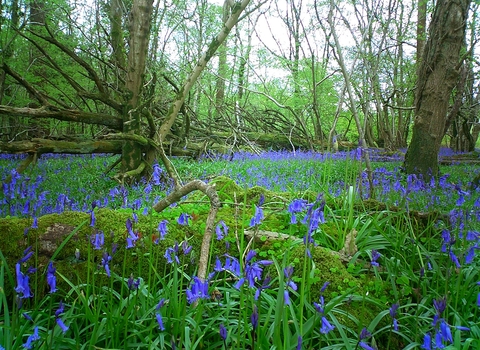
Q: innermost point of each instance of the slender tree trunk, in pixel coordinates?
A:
(438, 74)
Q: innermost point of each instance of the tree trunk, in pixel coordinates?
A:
(438, 74)
(137, 55)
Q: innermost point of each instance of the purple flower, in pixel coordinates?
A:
(296, 206)
(325, 285)
(183, 219)
(171, 254)
(365, 333)
(186, 248)
(51, 278)
(365, 346)
(162, 228)
(160, 321)
(62, 325)
(393, 314)
(223, 331)
(221, 230)
(132, 283)
(427, 342)
(299, 343)
(160, 304)
(438, 341)
(257, 218)
(27, 254)
(326, 326)
(445, 331)
(22, 288)
(31, 339)
(198, 290)
(440, 305)
(254, 317)
(105, 263)
(375, 256)
(60, 310)
(35, 222)
(98, 240)
(454, 259)
(92, 218)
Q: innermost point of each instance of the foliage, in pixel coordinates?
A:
(406, 283)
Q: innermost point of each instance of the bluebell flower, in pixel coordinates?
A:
(27, 316)
(160, 321)
(162, 228)
(218, 265)
(35, 222)
(265, 285)
(98, 240)
(223, 331)
(326, 326)
(393, 314)
(62, 325)
(427, 342)
(160, 304)
(198, 290)
(132, 283)
(23, 287)
(31, 338)
(324, 287)
(288, 271)
(365, 346)
(445, 331)
(27, 254)
(171, 254)
(60, 310)
(221, 230)
(254, 317)
(470, 255)
(51, 278)
(375, 256)
(299, 343)
(438, 341)
(454, 259)
(183, 219)
(365, 333)
(257, 217)
(440, 305)
(186, 248)
(105, 262)
(92, 218)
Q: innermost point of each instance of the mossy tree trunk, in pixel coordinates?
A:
(438, 74)
(132, 153)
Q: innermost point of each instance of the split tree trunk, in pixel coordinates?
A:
(438, 74)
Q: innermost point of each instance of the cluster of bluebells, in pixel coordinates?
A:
(23, 279)
(442, 334)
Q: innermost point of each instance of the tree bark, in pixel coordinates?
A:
(438, 76)
(137, 55)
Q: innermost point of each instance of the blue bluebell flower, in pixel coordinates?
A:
(60, 310)
(27, 254)
(186, 248)
(183, 219)
(223, 331)
(132, 283)
(51, 278)
(162, 228)
(393, 314)
(254, 317)
(98, 240)
(105, 262)
(365, 346)
(427, 342)
(62, 325)
(23, 287)
(299, 343)
(257, 217)
(326, 326)
(221, 230)
(160, 321)
(375, 256)
(198, 290)
(31, 338)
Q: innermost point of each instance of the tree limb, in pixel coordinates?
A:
(215, 204)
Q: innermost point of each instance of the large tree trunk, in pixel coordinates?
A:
(438, 74)
(137, 55)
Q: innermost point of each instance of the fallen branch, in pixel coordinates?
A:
(215, 204)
